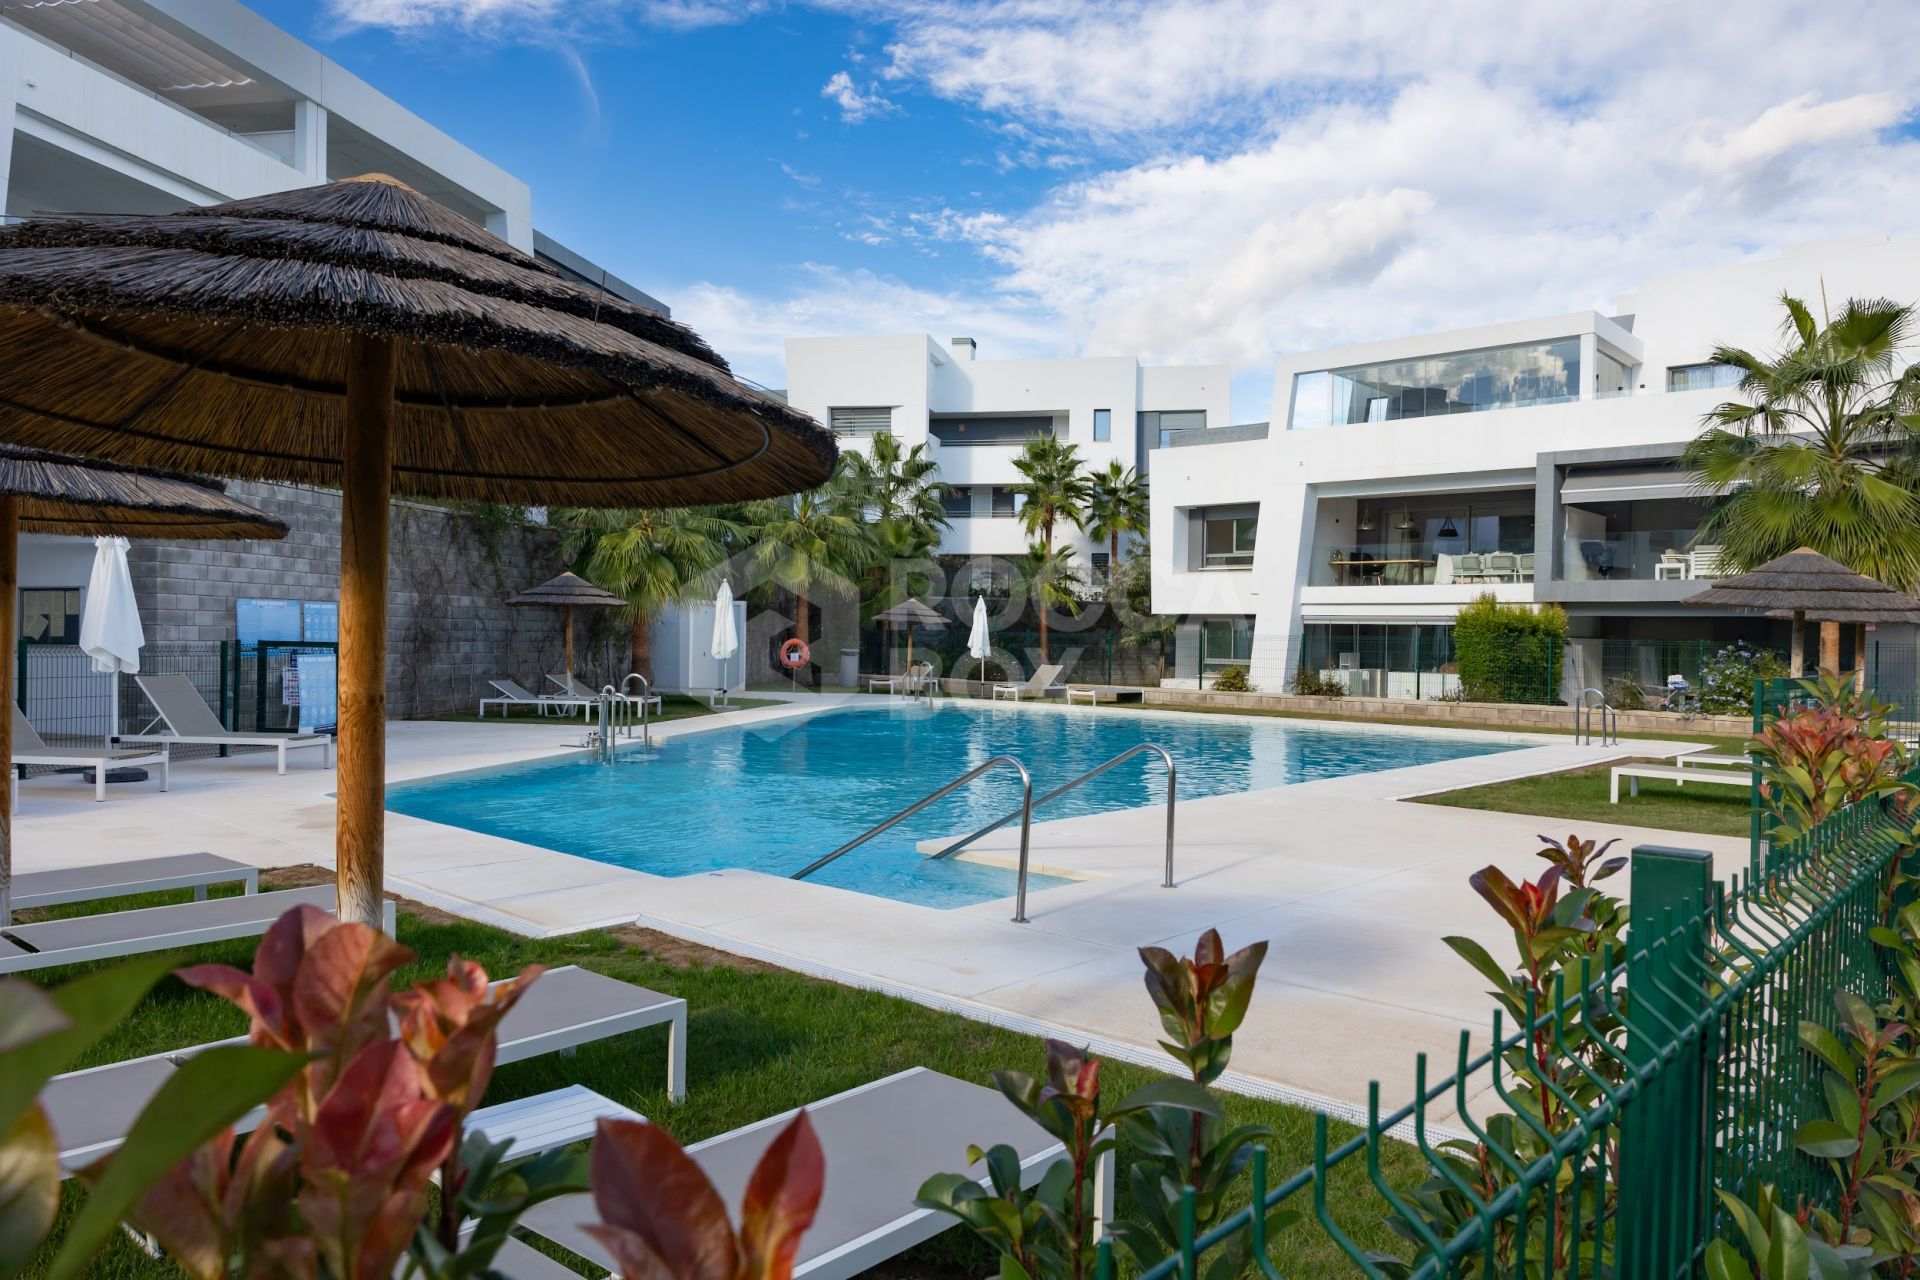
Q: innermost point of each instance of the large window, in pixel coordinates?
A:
(957, 501)
(1158, 424)
(864, 421)
(1436, 539)
(1701, 377)
(1003, 429)
(1225, 642)
(1103, 424)
(1530, 373)
(1223, 537)
(1006, 500)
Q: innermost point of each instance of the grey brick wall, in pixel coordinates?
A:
(448, 627)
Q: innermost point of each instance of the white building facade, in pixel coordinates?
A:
(974, 415)
(1532, 459)
(150, 106)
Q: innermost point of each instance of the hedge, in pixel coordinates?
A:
(1509, 652)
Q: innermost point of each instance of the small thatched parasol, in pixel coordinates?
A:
(910, 613)
(44, 492)
(358, 334)
(568, 591)
(1804, 584)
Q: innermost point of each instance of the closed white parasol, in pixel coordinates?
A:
(110, 631)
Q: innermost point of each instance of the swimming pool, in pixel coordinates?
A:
(774, 796)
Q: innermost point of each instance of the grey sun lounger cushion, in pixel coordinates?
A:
(121, 879)
(28, 742)
(92, 1110)
(881, 1141)
(572, 1006)
(125, 933)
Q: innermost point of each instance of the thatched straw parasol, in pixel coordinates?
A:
(1804, 584)
(358, 334)
(568, 591)
(910, 613)
(44, 492)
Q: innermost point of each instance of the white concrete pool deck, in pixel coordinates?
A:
(1351, 888)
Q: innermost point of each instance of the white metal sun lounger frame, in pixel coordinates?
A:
(1044, 683)
(592, 698)
(514, 1050)
(1634, 772)
(914, 1225)
(280, 742)
(17, 957)
(37, 752)
(515, 694)
(195, 871)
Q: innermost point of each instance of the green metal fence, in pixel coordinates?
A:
(69, 703)
(1648, 1082)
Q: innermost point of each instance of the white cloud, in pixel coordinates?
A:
(751, 329)
(856, 104)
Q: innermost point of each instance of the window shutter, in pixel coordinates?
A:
(861, 421)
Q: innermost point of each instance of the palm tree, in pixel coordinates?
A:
(1055, 489)
(806, 544)
(1116, 506)
(654, 558)
(1820, 449)
(893, 483)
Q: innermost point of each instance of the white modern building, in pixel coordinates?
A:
(1404, 477)
(975, 415)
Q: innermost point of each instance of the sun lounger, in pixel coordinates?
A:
(1713, 758)
(91, 1110)
(1043, 683)
(127, 933)
(571, 1006)
(546, 1120)
(1093, 694)
(28, 748)
(190, 720)
(514, 694)
(123, 879)
(572, 687)
(1634, 772)
(881, 1141)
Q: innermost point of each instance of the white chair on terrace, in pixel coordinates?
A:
(1469, 568)
(1526, 566)
(1503, 566)
(1704, 561)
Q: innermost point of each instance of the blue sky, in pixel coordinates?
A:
(1181, 180)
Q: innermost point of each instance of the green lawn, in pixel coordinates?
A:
(673, 706)
(1581, 796)
(761, 1041)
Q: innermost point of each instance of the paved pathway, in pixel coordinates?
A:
(1351, 887)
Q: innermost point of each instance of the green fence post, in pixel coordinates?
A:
(1663, 1130)
(260, 686)
(1416, 664)
(221, 680)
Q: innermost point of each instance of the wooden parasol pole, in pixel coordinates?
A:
(366, 483)
(9, 605)
(569, 613)
(1830, 646)
(1799, 658)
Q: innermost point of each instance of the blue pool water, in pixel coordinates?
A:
(774, 797)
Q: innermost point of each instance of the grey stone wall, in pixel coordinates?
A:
(449, 629)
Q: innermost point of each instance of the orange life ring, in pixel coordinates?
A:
(793, 654)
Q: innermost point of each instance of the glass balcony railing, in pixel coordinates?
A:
(1649, 555)
(1414, 567)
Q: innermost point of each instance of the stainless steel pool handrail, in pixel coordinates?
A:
(1583, 719)
(646, 696)
(1025, 815)
(1089, 775)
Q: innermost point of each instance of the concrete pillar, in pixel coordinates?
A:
(512, 229)
(1589, 364)
(310, 139)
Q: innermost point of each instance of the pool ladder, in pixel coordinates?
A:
(1590, 701)
(618, 717)
(1024, 813)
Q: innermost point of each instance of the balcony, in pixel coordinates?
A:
(1479, 540)
(1646, 555)
(1440, 569)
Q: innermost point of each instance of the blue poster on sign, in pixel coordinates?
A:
(317, 685)
(320, 621)
(255, 620)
